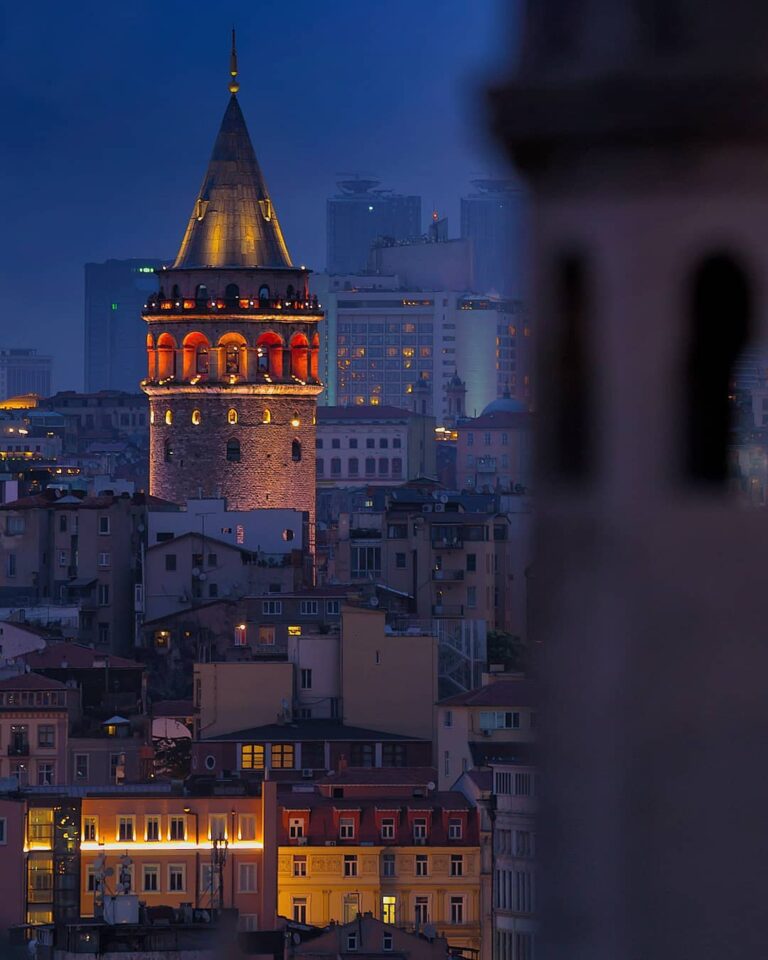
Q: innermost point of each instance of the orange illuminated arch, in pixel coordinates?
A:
(233, 354)
(300, 356)
(269, 347)
(314, 358)
(166, 357)
(151, 358)
(196, 349)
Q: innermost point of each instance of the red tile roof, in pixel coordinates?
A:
(31, 681)
(75, 656)
(513, 692)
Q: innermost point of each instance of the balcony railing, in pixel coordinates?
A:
(447, 543)
(18, 749)
(444, 575)
(239, 305)
(447, 610)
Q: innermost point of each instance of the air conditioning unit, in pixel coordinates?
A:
(426, 508)
(301, 841)
(330, 843)
(307, 773)
(439, 508)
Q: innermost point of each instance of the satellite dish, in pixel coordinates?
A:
(431, 785)
(296, 938)
(203, 576)
(195, 571)
(374, 601)
(443, 498)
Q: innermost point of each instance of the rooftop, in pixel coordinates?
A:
(76, 656)
(31, 681)
(309, 730)
(512, 692)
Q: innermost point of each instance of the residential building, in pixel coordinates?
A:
(366, 936)
(50, 857)
(409, 857)
(82, 549)
(24, 371)
(232, 346)
(13, 816)
(301, 750)
(497, 719)
(382, 340)
(100, 417)
(493, 220)
(358, 215)
(373, 445)
(115, 294)
(495, 450)
(35, 714)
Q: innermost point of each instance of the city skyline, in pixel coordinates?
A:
(96, 118)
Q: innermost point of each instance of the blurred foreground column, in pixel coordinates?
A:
(642, 128)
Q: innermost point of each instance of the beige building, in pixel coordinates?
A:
(234, 696)
(476, 726)
(373, 445)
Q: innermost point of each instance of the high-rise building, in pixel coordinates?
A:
(233, 347)
(24, 371)
(115, 294)
(492, 220)
(359, 214)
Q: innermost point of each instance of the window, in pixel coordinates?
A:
(196, 418)
(46, 735)
(389, 913)
(499, 720)
(471, 562)
(295, 828)
(114, 763)
(309, 608)
(168, 418)
(447, 718)
(421, 910)
(10, 564)
(332, 607)
(247, 824)
(232, 416)
(523, 785)
(419, 828)
(63, 558)
(90, 829)
(457, 865)
(296, 451)
(351, 941)
(125, 828)
(272, 608)
(350, 865)
(177, 828)
(523, 843)
(252, 756)
(393, 755)
(105, 559)
(320, 467)
(388, 864)
(91, 884)
(266, 417)
(400, 560)
(457, 910)
(177, 877)
(422, 865)
(523, 891)
(299, 909)
(45, 772)
(150, 882)
(103, 594)
(266, 635)
(300, 866)
(397, 466)
(170, 562)
(347, 828)
(306, 679)
(40, 828)
(388, 828)
(282, 756)
(104, 525)
(370, 465)
(247, 878)
(153, 828)
(248, 921)
(335, 466)
(217, 826)
(455, 828)
(370, 443)
(233, 450)
(471, 597)
(353, 466)
(366, 561)
(209, 880)
(387, 940)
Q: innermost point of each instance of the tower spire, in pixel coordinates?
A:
(234, 86)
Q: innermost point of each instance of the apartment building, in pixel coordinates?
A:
(495, 450)
(407, 854)
(496, 720)
(84, 549)
(373, 445)
(35, 713)
(367, 937)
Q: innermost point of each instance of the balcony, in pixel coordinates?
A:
(447, 610)
(241, 305)
(445, 576)
(485, 465)
(18, 749)
(453, 542)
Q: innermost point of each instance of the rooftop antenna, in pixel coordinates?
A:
(234, 86)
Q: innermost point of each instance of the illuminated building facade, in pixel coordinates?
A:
(232, 345)
(24, 371)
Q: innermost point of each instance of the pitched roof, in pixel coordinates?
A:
(309, 730)
(513, 692)
(233, 223)
(31, 681)
(75, 656)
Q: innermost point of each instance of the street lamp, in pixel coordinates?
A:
(194, 813)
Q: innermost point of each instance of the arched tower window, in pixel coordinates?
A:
(269, 352)
(201, 292)
(232, 355)
(233, 450)
(266, 417)
(300, 356)
(263, 294)
(721, 309)
(314, 357)
(167, 451)
(289, 292)
(196, 417)
(175, 291)
(168, 417)
(196, 350)
(296, 451)
(572, 414)
(232, 416)
(231, 291)
(166, 357)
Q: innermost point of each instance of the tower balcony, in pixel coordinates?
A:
(239, 307)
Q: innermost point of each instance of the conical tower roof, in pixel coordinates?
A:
(233, 222)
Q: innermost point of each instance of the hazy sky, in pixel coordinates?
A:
(109, 112)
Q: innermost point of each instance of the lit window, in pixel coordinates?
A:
(266, 417)
(196, 418)
(300, 866)
(169, 417)
(282, 756)
(252, 756)
(232, 416)
(350, 865)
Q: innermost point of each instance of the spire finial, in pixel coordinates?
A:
(234, 86)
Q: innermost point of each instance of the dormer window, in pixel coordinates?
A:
(295, 828)
(346, 828)
(455, 828)
(420, 828)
